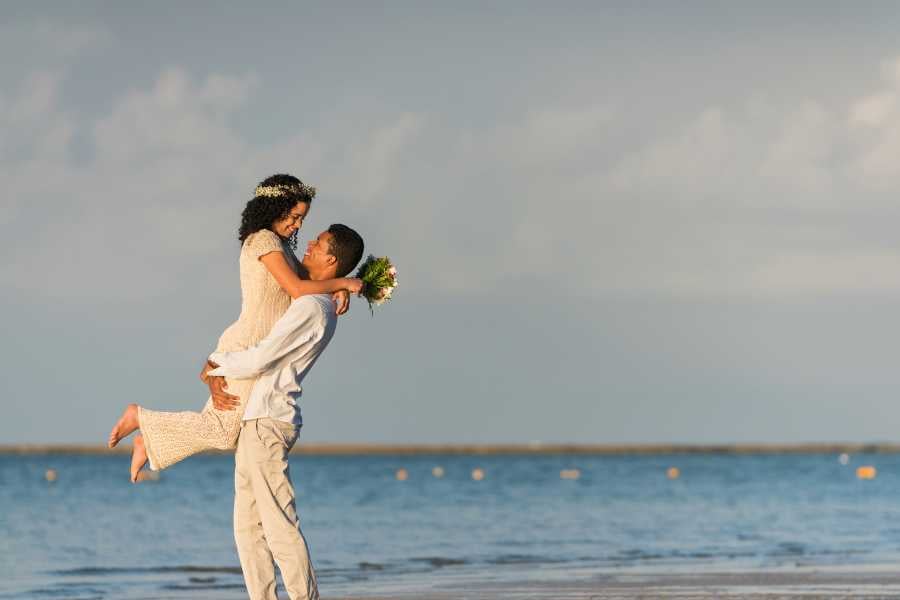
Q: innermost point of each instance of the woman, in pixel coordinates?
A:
(269, 281)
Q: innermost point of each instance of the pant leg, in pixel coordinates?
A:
(257, 563)
(275, 502)
(173, 436)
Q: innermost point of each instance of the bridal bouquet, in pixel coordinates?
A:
(380, 279)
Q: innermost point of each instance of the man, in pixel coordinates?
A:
(266, 525)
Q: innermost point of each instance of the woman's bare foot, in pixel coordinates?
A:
(138, 457)
(126, 424)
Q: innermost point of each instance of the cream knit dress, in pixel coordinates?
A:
(172, 436)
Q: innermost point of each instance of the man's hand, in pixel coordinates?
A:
(342, 299)
(221, 399)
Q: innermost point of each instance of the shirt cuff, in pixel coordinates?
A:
(219, 359)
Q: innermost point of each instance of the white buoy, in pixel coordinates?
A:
(438, 472)
(478, 474)
(402, 475)
(844, 458)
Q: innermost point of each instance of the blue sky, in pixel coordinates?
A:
(613, 223)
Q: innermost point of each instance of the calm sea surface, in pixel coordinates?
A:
(91, 534)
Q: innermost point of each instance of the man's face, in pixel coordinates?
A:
(318, 252)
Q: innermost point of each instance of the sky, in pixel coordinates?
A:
(613, 222)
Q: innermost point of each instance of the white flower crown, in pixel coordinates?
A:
(275, 191)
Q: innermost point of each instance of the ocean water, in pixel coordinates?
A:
(92, 534)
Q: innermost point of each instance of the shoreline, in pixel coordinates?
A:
(339, 449)
(847, 583)
(751, 585)
(881, 583)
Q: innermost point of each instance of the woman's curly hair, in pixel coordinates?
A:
(262, 211)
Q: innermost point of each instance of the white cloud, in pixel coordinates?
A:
(733, 201)
(372, 161)
(167, 169)
(874, 110)
(175, 119)
(819, 273)
(890, 71)
(760, 199)
(692, 160)
(544, 137)
(802, 147)
(32, 123)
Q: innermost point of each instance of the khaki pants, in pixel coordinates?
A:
(266, 525)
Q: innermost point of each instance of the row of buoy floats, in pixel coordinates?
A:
(478, 474)
(862, 472)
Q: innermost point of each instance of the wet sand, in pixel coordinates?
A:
(755, 585)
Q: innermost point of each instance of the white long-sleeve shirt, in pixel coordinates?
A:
(282, 359)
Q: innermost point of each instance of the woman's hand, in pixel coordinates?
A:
(342, 300)
(203, 373)
(353, 285)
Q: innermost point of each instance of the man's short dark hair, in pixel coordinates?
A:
(346, 246)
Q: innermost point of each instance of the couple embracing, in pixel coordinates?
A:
(288, 315)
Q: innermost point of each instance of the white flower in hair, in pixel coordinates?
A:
(276, 191)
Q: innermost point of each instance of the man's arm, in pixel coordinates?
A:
(299, 326)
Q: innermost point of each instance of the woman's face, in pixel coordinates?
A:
(287, 225)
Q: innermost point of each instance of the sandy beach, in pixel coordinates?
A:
(862, 584)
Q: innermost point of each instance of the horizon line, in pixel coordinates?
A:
(340, 449)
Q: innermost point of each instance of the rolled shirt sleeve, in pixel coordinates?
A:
(296, 328)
